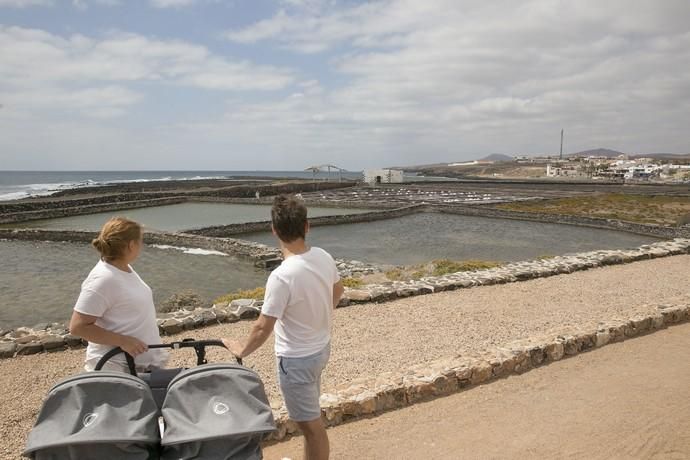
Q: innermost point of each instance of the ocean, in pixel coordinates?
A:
(22, 184)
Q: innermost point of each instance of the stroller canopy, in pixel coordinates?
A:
(96, 415)
(215, 401)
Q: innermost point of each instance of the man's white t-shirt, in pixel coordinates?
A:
(299, 293)
(123, 303)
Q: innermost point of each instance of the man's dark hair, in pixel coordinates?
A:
(289, 217)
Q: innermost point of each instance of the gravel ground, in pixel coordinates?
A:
(369, 339)
(589, 407)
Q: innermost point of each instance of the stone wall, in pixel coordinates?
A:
(609, 224)
(516, 271)
(249, 191)
(264, 256)
(367, 396)
(53, 337)
(35, 209)
(250, 227)
(51, 210)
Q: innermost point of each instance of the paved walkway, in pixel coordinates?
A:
(627, 400)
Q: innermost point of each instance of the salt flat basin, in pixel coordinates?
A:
(178, 217)
(40, 281)
(423, 237)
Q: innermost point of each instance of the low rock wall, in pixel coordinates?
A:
(249, 191)
(263, 255)
(609, 224)
(37, 209)
(49, 210)
(54, 337)
(516, 271)
(372, 395)
(250, 227)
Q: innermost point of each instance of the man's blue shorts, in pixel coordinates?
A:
(300, 383)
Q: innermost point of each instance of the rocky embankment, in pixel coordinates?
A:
(55, 337)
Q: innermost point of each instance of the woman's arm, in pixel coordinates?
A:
(338, 290)
(84, 326)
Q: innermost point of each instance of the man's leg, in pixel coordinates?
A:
(316, 445)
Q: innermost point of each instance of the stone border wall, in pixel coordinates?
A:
(251, 227)
(37, 209)
(515, 271)
(657, 231)
(368, 396)
(85, 206)
(264, 256)
(478, 210)
(55, 337)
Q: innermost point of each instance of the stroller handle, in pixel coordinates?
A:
(198, 345)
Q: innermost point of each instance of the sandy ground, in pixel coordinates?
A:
(629, 400)
(369, 339)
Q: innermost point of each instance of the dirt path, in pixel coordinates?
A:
(628, 400)
(370, 339)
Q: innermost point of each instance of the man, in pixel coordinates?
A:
(300, 297)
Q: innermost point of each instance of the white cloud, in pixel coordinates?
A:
(172, 3)
(75, 68)
(24, 3)
(387, 82)
(462, 77)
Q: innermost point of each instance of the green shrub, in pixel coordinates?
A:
(352, 282)
(395, 275)
(418, 274)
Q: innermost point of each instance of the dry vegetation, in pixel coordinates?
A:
(434, 268)
(257, 293)
(657, 210)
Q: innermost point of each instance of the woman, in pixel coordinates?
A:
(115, 307)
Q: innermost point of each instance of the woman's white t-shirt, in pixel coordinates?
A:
(123, 303)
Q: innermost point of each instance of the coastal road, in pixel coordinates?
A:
(628, 400)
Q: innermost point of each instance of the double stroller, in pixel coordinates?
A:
(212, 411)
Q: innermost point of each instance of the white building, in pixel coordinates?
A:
(383, 176)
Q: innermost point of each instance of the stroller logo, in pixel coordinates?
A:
(220, 408)
(89, 419)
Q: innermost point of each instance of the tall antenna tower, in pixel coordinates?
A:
(561, 156)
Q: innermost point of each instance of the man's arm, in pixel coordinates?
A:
(260, 332)
(338, 291)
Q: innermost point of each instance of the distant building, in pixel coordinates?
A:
(564, 170)
(383, 176)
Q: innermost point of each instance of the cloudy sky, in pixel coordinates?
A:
(284, 84)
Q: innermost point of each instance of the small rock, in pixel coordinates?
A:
(343, 302)
(52, 342)
(30, 348)
(7, 349)
(171, 326)
(26, 339)
(241, 303)
(357, 295)
(73, 341)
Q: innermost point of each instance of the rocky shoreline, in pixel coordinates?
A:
(55, 337)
